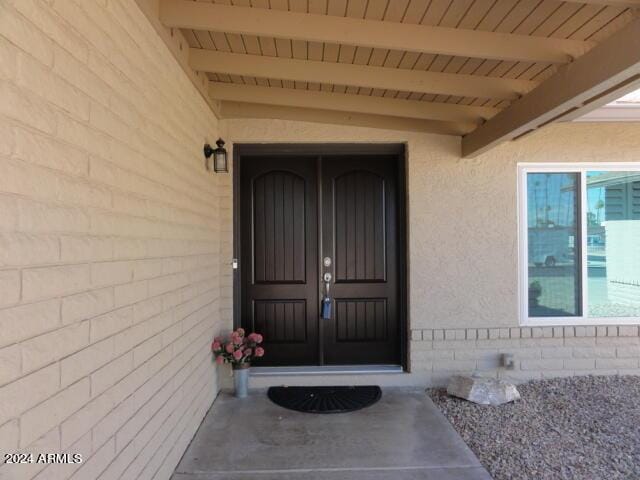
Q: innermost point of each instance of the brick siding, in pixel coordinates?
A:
(112, 236)
(539, 352)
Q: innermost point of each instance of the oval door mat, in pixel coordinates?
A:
(325, 399)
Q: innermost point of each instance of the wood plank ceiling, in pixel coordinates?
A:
(588, 22)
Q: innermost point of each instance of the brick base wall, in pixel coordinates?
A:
(112, 236)
(539, 352)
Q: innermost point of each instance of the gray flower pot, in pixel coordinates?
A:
(241, 380)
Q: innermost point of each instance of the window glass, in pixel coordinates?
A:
(553, 244)
(613, 243)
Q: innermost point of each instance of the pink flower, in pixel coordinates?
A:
(219, 360)
(237, 354)
(240, 332)
(229, 348)
(248, 352)
(255, 337)
(259, 352)
(215, 346)
(237, 340)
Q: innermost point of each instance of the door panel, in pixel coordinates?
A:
(361, 319)
(279, 256)
(279, 227)
(281, 321)
(358, 209)
(359, 232)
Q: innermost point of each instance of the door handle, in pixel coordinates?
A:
(325, 308)
(327, 283)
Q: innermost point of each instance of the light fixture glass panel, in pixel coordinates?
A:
(220, 161)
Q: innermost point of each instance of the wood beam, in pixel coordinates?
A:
(611, 68)
(232, 110)
(358, 75)
(368, 33)
(350, 103)
(609, 3)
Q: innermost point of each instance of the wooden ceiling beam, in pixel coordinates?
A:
(358, 75)
(244, 110)
(368, 33)
(350, 103)
(610, 70)
(609, 3)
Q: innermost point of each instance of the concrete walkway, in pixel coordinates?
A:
(402, 437)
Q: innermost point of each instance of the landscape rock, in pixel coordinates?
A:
(575, 428)
(481, 390)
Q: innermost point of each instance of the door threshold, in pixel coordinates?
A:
(326, 370)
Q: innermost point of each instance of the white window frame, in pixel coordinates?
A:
(523, 252)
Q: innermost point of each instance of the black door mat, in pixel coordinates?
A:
(325, 399)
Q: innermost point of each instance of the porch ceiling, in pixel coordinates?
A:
(457, 62)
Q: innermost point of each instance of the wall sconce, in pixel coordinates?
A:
(216, 158)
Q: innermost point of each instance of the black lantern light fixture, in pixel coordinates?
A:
(216, 157)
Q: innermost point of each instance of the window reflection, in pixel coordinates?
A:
(613, 243)
(553, 244)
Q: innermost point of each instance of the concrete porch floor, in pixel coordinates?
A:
(402, 437)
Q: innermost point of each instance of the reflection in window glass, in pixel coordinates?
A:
(613, 243)
(553, 241)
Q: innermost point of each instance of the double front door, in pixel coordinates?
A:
(309, 224)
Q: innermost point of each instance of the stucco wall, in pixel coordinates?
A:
(463, 250)
(111, 240)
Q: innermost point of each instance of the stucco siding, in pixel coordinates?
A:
(113, 242)
(463, 240)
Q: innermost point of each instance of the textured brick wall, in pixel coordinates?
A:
(539, 352)
(112, 240)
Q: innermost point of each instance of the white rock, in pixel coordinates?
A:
(485, 391)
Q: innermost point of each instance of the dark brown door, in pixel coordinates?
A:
(279, 238)
(359, 235)
(299, 214)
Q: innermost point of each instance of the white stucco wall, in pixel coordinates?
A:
(462, 213)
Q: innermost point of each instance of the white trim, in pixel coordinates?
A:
(584, 260)
(577, 321)
(523, 254)
(617, 112)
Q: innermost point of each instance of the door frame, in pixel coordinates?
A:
(398, 150)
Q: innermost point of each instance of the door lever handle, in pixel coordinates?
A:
(325, 310)
(327, 283)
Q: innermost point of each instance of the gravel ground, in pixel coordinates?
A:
(580, 428)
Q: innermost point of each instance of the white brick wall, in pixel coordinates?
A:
(539, 352)
(112, 242)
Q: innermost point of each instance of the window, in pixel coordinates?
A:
(579, 243)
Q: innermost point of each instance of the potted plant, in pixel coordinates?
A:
(238, 350)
